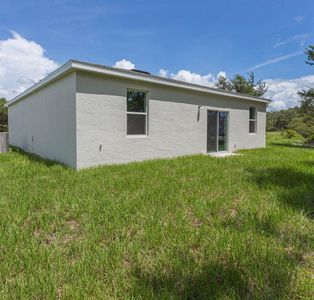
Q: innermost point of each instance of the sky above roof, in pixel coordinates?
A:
(187, 40)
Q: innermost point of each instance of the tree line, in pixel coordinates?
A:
(300, 119)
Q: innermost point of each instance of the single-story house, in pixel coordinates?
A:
(85, 115)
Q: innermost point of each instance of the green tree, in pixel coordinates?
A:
(307, 102)
(299, 119)
(281, 120)
(224, 83)
(241, 85)
(3, 115)
(307, 96)
(310, 55)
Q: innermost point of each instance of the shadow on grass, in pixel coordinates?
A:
(216, 280)
(297, 187)
(37, 159)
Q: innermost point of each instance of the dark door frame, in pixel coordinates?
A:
(217, 131)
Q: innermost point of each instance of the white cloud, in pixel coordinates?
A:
(124, 64)
(26, 80)
(222, 74)
(188, 76)
(275, 60)
(298, 19)
(22, 63)
(163, 73)
(283, 93)
(196, 78)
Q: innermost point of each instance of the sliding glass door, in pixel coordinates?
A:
(217, 131)
(222, 132)
(211, 131)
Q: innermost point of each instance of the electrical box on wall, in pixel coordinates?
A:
(4, 142)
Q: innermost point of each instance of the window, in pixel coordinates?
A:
(252, 120)
(136, 113)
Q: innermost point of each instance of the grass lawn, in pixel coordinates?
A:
(192, 227)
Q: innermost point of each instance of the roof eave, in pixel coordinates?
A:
(73, 65)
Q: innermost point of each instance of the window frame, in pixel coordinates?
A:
(253, 120)
(137, 113)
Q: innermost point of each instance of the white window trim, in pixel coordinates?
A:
(136, 113)
(136, 136)
(253, 120)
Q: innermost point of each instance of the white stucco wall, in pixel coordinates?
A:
(173, 128)
(44, 122)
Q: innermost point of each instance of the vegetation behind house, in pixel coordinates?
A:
(239, 84)
(298, 120)
(3, 116)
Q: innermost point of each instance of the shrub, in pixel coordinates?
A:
(291, 134)
(310, 139)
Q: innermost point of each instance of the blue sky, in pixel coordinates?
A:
(200, 36)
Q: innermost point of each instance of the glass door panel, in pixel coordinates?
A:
(211, 131)
(222, 131)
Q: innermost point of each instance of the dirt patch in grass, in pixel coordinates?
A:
(59, 235)
(195, 221)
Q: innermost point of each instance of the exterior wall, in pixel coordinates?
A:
(44, 122)
(173, 126)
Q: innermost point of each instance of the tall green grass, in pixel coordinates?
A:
(194, 227)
